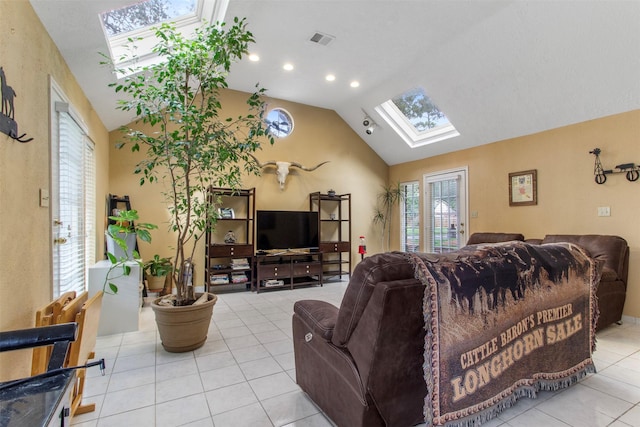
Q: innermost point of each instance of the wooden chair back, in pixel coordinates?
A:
(45, 317)
(85, 312)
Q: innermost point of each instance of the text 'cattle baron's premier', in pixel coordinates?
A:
(491, 359)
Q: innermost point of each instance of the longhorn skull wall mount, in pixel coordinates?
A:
(282, 168)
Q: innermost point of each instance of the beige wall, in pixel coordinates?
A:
(318, 135)
(568, 196)
(29, 57)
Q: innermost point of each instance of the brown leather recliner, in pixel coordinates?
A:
(612, 289)
(359, 362)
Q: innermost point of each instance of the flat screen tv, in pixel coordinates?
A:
(282, 230)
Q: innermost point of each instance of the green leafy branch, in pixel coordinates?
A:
(124, 224)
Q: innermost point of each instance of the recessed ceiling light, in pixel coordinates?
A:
(330, 77)
(354, 83)
(288, 66)
(254, 57)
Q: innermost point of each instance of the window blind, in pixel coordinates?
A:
(76, 205)
(89, 204)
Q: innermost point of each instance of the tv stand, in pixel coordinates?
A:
(287, 269)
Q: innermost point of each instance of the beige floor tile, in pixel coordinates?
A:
(127, 400)
(182, 411)
(273, 385)
(251, 415)
(143, 417)
(260, 368)
(179, 387)
(218, 378)
(230, 397)
(287, 408)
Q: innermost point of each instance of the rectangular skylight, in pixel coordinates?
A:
(145, 14)
(136, 22)
(416, 118)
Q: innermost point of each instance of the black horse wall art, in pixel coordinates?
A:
(8, 124)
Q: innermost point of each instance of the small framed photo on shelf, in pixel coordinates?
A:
(523, 188)
(226, 213)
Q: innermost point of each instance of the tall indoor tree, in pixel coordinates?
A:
(189, 143)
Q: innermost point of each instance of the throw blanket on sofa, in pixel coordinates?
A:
(504, 321)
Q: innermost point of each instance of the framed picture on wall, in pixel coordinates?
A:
(523, 188)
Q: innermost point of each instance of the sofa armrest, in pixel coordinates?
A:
(319, 316)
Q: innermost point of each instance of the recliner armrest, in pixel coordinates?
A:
(320, 316)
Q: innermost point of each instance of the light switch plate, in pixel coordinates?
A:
(44, 198)
(604, 211)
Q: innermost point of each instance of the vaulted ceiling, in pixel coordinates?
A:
(498, 69)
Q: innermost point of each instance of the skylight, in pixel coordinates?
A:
(136, 22)
(416, 118)
(145, 14)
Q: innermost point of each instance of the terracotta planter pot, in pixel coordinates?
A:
(184, 328)
(155, 283)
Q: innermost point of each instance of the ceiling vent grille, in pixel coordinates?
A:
(321, 39)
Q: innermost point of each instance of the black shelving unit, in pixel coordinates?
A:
(334, 226)
(232, 261)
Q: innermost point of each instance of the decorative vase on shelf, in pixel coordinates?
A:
(331, 193)
(230, 237)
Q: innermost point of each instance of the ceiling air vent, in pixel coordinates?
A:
(322, 39)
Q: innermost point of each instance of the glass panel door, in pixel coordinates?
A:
(445, 210)
(72, 197)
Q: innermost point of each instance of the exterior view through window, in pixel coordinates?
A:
(144, 14)
(416, 118)
(410, 217)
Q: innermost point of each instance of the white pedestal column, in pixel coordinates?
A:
(119, 312)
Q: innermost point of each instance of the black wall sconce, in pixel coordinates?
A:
(631, 170)
(7, 123)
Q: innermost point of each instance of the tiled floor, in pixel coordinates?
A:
(244, 375)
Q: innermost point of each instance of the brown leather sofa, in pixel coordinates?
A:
(488, 237)
(359, 362)
(612, 250)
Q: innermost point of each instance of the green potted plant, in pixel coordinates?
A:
(124, 225)
(390, 196)
(156, 272)
(189, 145)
